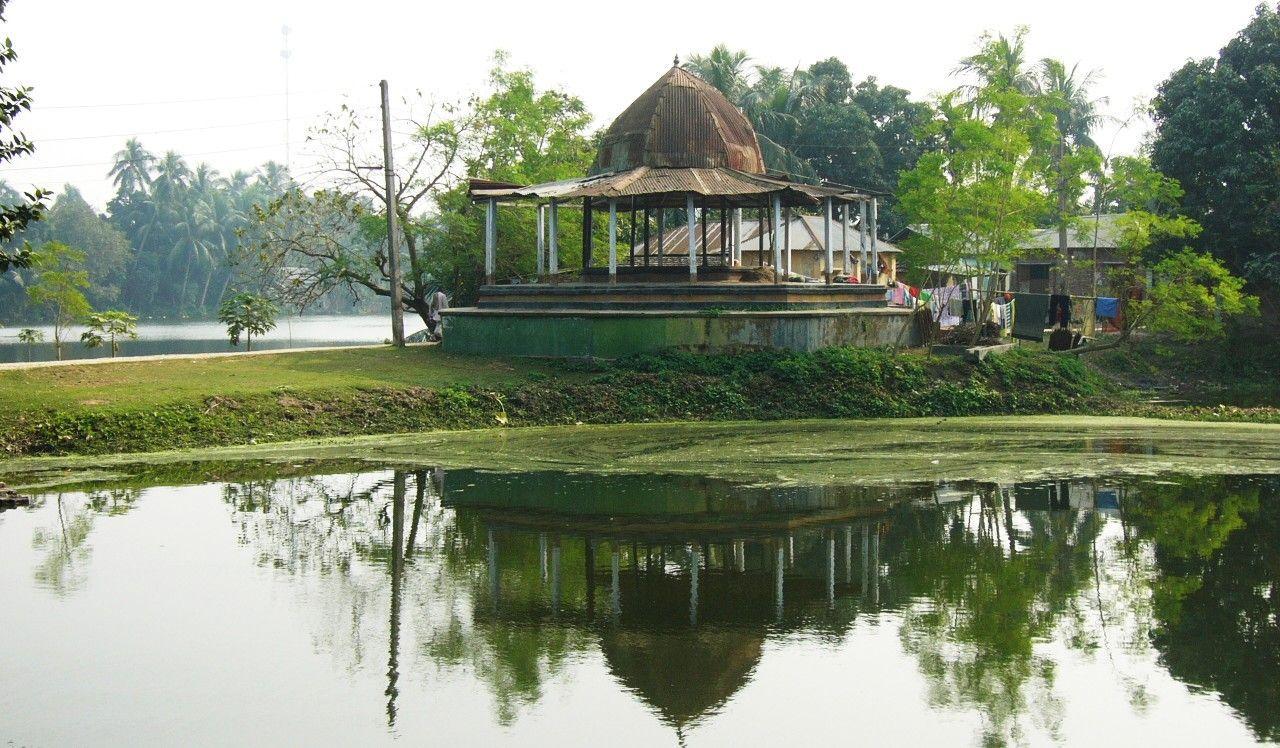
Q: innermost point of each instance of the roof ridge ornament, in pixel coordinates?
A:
(676, 60)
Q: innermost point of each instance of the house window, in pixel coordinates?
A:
(1037, 272)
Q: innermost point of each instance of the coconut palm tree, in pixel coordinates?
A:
(723, 68)
(131, 171)
(1000, 65)
(1066, 95)
(275, 178)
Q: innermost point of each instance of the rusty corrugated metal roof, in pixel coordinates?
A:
(681, 137)
(681, 121)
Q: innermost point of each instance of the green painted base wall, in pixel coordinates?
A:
(610, 335)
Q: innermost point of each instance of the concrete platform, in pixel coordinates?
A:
(610, 333)
(726, 296)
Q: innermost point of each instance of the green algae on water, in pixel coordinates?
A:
(817, 452)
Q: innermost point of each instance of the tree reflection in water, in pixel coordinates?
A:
(64, 545)
(678, 583)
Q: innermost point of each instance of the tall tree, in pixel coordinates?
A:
(15, 213)
(723, 68)
(131, 171)
(1065, 93)
(59, 288)
(304, 246)
(815, 122)
(107, 253)
(1218, 134)
(520, 134)
(1000, 64)
(980, 192)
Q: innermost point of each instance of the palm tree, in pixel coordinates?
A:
(171, 175)
(1065, 95)
(723, 68)
(1001, 64)
(131, 171)
(275, 178)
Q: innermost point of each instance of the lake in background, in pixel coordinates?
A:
(302, 606)
(157, 337)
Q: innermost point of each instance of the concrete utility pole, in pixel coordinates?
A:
(285, 54)
(393, 250)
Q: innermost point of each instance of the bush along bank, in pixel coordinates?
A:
(756, 385)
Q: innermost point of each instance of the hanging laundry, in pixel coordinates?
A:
(1060, 310)
(1107, 307)
(1029, 314)
(941, 302)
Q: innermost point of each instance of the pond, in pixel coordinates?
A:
(330, 597)
(197, 336)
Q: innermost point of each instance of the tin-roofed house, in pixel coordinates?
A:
(1093, 246)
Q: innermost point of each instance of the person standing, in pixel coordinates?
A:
(439, 302)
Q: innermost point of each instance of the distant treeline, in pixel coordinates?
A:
(163, 247)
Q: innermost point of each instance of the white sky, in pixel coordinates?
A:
(82, 54)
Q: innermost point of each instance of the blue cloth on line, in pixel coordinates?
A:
(1107, 307)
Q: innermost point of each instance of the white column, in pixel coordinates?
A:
(844, 235)
(555, 577)
(694, 557)
(777, 240)
(777, 581)
(490, 240)
(613, 241)
(826, 237)
(542, 554)
(875, 229)
(737, 237)
(862, 239)
(553, 228)
(542, 239)
(494, 590)
(866, 559)
(875, 543)
(693, 237)
(613, 579)
(786, 238)
(831, 569)
(848, 554)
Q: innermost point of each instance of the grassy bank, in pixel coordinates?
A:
(132, 407)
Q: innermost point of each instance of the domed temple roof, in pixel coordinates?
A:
(681, 121)
(680, 138)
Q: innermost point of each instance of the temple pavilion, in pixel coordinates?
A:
(681, 159)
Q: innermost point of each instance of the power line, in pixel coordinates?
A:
(109, 163)
(189, 101)
(135, 133)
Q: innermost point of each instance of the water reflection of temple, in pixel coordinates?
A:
(679, 576)
(680, 582)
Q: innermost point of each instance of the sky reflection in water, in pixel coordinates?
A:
(540, 607)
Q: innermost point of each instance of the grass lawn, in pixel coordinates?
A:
(145, 383)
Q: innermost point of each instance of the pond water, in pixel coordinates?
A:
(317, 601)
(196, 336)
